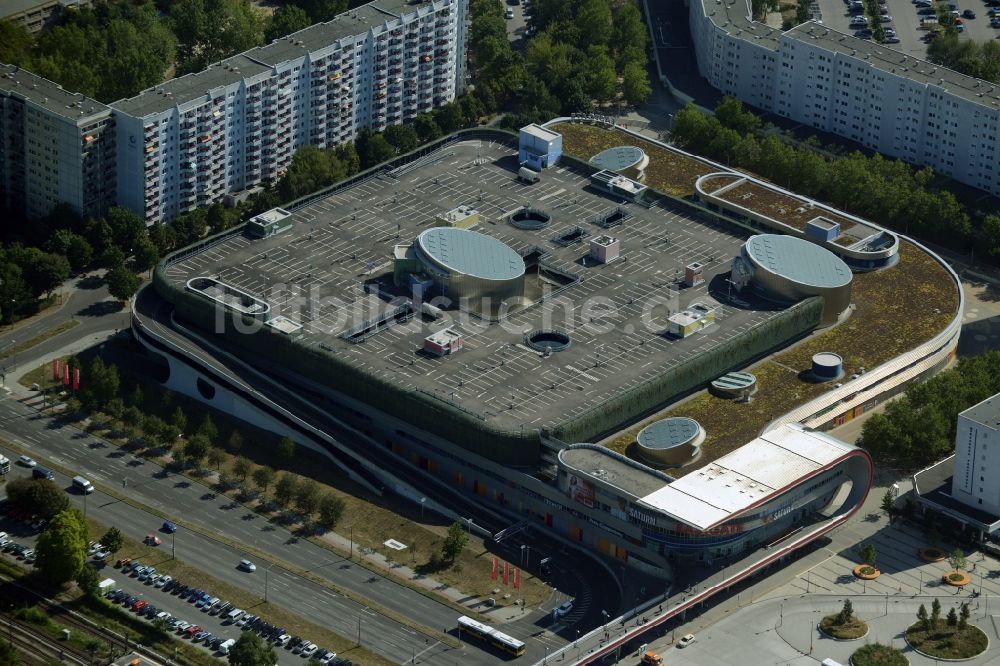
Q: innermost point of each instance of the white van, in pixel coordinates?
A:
(234, 615)
(81, 484)
(224, 647)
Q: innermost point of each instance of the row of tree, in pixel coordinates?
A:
(919, 427)
(892, 192)
(116, 49)
(981, 60)
(585, 53)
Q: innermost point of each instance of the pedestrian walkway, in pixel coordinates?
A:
(11, 381)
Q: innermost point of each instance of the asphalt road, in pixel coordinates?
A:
(87, 301)
(175, 495)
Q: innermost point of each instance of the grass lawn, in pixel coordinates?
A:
(948, 642)
(38, 339)
(855, 628)
(896, 310)
(876, 654)
(668, 171)
(368, 519)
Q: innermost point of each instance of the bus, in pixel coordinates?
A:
(488, 634)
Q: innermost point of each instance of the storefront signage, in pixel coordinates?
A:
(641, 517)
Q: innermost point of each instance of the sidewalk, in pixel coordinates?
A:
(11, 381)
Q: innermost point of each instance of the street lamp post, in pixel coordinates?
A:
(468, 522)
(173, 545)
(522, 554)
(423, 500)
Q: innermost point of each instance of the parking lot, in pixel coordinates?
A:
(615, 312)
(158, 598)
(906, 22)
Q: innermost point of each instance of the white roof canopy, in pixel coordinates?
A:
(749, 476)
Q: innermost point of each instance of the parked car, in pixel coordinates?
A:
(891, 40)
(969, 14)
(139, 605)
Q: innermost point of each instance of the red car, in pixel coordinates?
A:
(192, 630)
(151, 540)
(139, 605)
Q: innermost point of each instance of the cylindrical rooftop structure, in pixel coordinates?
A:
(786, 269)
(827, 366)
(467, 264)
(670, 442)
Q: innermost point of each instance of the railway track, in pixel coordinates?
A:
(37, 647)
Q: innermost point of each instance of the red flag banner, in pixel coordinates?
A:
(506, 573)
(66, 375)
(496, 564)
(76, 379)
(517, 579)
(55, 369)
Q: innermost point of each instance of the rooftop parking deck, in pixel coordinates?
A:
(322, 273)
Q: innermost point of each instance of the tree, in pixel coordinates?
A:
(263, 477)
(196, 449)
(179, 419)
(322, 10)
(989, 235)
(285, 21)
(963, 616)
(127, 228)
(122, 283)
(113, 540)
(307, 497)
(251, 650)
(426, 128)
(311, 169)
(133, 417)
(146, 254)
(957, 559)
(952, 617)
(154, 427)
(14, 292)
(601, 76)
(868, 554)
(8, 655)
(62, 548)
(935, 614)
(215, 458)
(331, 510)
(88, 579)
(635, 84)
(137, 399)
(210, 30)
(15, 43)
(79, 253)
(286, 489)
(207, 428)
(42, 271)
(242, 468)
(235, 442)
(286, 450)
(455, 542)
(402, 137)
(888, 503)
(101, 386)
(846, 612)
(629, 32)
(373, 148)
(37, 496)
(925, 622)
